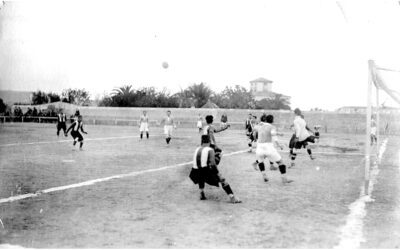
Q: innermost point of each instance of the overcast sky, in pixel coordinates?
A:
(315, 51)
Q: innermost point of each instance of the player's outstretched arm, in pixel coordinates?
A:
(83, 130)
(220, 129)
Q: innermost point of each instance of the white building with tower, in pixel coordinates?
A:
(261, 88)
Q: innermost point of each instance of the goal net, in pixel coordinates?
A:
(376, 86)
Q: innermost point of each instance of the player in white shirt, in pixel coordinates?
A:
(200, 123)
(169, 125)
(373, 131)
(301, 137)
(144, 125)
(267, 136)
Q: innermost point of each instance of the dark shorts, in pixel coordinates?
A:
(76, 134)
(61, 125)
(301, 144)
(205, 175)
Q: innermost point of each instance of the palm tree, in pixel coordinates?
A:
(39, 97)
(123, 96)
(184, 98)
(123, 91)
(200, 94)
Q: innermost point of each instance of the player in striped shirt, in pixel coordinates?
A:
(76, 135)
(144, 125)
(205, 170)
(61, 123)
(169, 125)
(250, 134)
(210, 129)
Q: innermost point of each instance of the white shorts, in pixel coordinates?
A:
(267, 150)
(199, 124)
(144, 126)
(373, 131)
(168, 130)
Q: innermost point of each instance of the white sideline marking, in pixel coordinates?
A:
(352, 233)
(86, 139)
(324, 153)
(8, 246)
(91, 182)
(68, 161)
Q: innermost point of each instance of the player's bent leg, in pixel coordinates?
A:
(228, 190)
(282, 169)
(201, 187)
(310, 152)
(261, 166)
(292, 156)
(80, 142)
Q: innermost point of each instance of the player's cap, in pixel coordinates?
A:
(205, 139)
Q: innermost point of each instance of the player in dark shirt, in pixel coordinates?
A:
(61, 123)
(205, 170)
(76, 135)
(210, 129)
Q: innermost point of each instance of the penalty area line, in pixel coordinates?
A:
(91, 182)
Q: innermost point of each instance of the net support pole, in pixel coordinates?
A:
(377, 122)
(368, 129)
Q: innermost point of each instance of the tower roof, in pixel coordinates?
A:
(261, 79)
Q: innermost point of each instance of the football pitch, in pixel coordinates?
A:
(123, 192)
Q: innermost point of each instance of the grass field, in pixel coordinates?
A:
(145, 205)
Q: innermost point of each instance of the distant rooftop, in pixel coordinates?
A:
(261, 79)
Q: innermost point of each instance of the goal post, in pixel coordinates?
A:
(375, 81)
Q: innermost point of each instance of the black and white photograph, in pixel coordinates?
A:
(200, 124)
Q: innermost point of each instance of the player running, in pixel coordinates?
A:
(169, 125)
(267, 136)
(76, 135)
(144, 125)
(210, 129)
(200, 123)
(250, 132)
(61, 123)
(205, 170)
(300, 138)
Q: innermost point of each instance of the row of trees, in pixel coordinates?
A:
(79, 97)
(196, 95)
